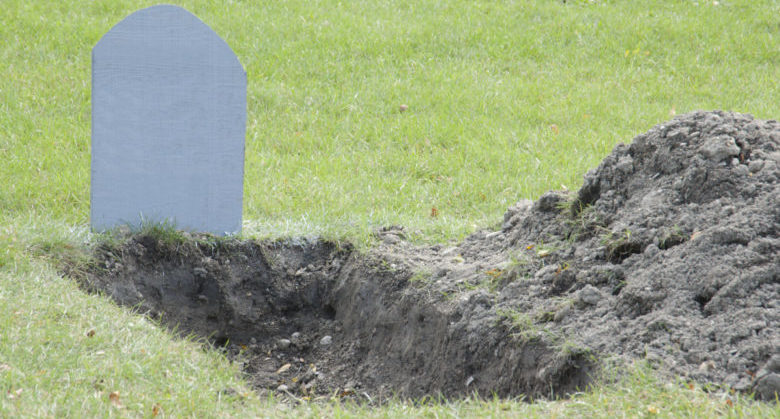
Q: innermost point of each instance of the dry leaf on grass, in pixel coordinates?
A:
(113, 397)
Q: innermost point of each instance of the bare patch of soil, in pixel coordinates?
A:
(669, 252)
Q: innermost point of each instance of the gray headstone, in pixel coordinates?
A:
(168, 124)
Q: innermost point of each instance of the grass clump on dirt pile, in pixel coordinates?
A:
(505, 101)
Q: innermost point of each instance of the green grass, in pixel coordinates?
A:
(328, 150)
(507, 99)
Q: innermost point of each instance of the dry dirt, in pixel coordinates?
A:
(669, 253)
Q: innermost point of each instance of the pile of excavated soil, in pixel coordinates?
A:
(669, 252)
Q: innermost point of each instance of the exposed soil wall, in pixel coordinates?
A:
(669, 252)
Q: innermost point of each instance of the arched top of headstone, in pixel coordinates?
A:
(155, 31)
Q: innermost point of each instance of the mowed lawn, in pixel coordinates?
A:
(505, 100)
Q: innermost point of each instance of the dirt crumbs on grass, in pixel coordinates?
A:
(669, 252)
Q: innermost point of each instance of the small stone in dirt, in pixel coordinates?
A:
(326, 340)
(295, 338)
(737, 383)
(493, 234)
(562, 313)
(742, 170)
(651, 250)
(282, 387)
(706, 366)
(755, 166)
(768, 387)
(448, 251)
(283, 343)
(589, 295)
(767, 383)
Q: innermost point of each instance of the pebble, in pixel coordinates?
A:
(706, 366)
(326, 340)
(493, 234)
(767, 382)
(562, 313)
(651, 250)
(590, 295)
(448, 251)
(773, 364)
(742, 170)
(283, 343)
(282, 387)
(755, 165)
(768, 386)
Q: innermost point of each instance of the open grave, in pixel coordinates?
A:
(669, 252)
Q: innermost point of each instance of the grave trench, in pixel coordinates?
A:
(272, 304)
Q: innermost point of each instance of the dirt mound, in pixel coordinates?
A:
(669, 252)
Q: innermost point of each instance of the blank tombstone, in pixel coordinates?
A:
(168, 124)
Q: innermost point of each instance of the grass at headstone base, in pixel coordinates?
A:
(505, 100)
